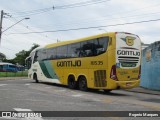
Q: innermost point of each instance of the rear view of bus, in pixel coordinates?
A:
(127, 66)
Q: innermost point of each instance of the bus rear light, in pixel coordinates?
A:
(139, 75)
(113, 73)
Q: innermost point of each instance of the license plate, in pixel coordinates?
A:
(128, 84)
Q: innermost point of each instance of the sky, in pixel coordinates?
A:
(51, 20)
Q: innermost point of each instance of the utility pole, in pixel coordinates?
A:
(2, 13)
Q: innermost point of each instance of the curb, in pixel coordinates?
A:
(144, 90)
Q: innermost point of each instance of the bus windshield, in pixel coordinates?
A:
(28, 62)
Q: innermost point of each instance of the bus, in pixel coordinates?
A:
(8, 67)
(105, 61)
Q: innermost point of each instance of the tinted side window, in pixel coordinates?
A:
(35, 57)
(44, 54)
(32, 57)
(51, 53)
(101, 45)
(28, 63)
(94, 47)
(87, 48)
(83, 49)
(1, 66)
(62, 52)
(40, 55)
(73, 50)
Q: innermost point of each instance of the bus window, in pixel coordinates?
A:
(62, 52)
(40, 55)
(35, 57)
(1, 68)
(28, 62)
(94, 47)
(73, 50)
(86, 48)
(12, 68)
(52, 53)
(101, 45)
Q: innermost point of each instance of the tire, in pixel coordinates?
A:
(107, 91)
(83, 84)
(72, 84)
(35, 78)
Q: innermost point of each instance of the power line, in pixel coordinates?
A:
(110, 15)
(93, 27)
(81, 4)
(31, 29)
(40, 11)
(109, 19)
(34, 11)
(121, 12)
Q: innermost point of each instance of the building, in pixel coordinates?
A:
(144, 45)
(150, 69)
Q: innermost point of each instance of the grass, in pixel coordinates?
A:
(14, 74)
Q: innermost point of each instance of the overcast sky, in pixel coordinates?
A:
(73, 14)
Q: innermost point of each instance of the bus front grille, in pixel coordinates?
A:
(100, 78)
(126, 59)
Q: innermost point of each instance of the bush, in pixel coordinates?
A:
(14, 74)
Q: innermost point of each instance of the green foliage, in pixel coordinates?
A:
(2, 56)
(32, 48)
(20, 57)
(14, 74)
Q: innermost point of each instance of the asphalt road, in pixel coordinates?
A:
(26, 95)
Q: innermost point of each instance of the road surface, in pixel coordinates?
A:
(26, 95)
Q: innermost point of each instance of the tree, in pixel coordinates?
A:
(20, 57)
(2, 56)
(33, 47)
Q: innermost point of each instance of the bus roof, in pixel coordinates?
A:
(4, 63)
(77, 40)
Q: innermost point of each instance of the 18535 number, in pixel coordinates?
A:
(96, 62)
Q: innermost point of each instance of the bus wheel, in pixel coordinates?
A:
(83, 84)
(35, 78)
(107, 91)
(72, 84)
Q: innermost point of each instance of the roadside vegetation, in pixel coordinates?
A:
(21, 56)
(18, 60)
(14, 74)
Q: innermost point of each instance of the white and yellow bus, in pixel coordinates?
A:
(106, 61)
